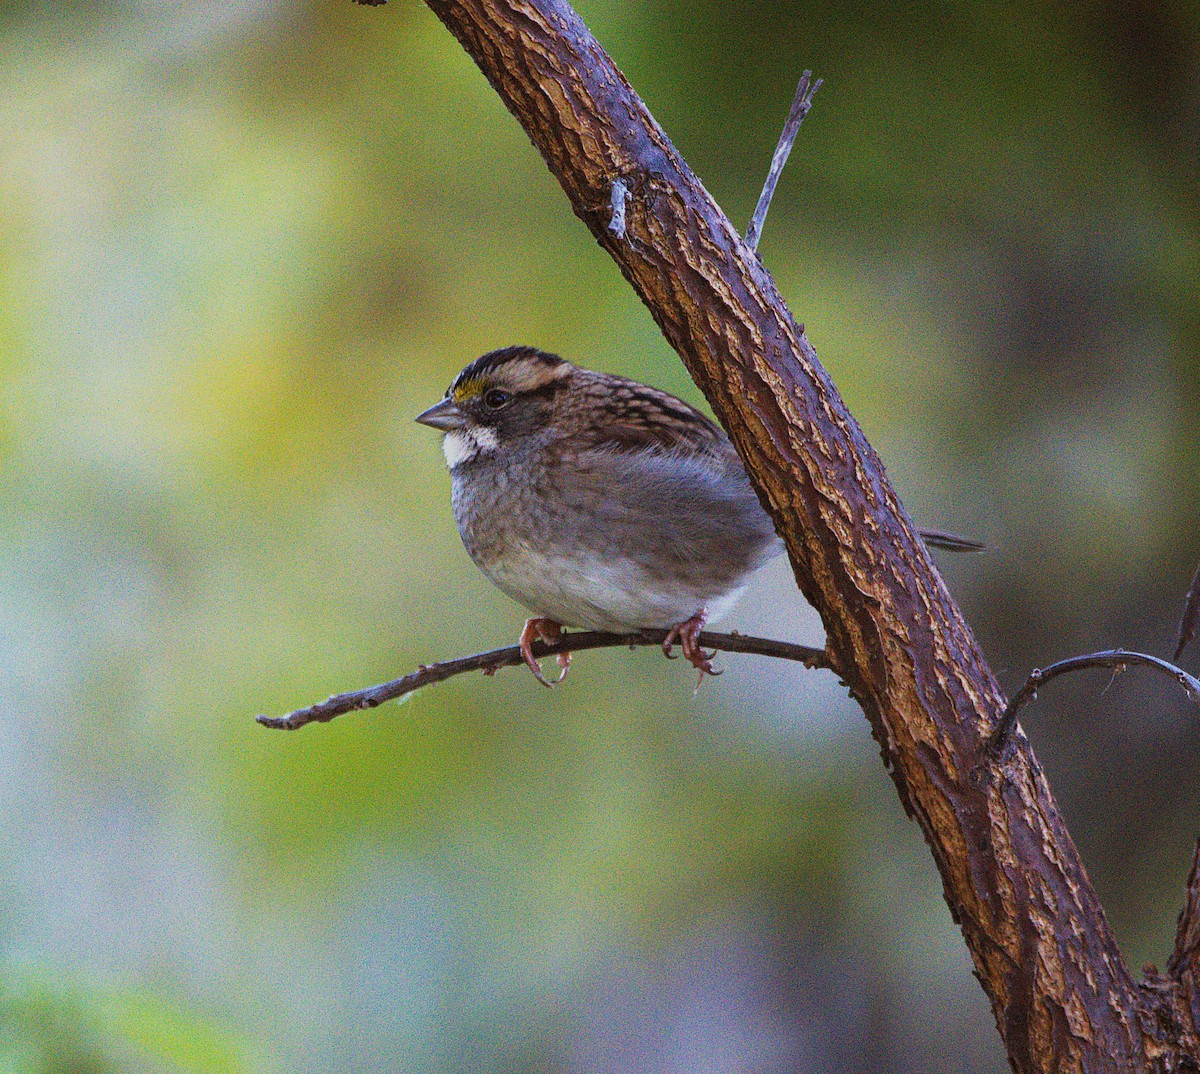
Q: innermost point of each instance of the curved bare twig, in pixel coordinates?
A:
(491, 662)
(1117, 659)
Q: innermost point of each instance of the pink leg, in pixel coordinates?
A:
(687, 634)
(548, 631)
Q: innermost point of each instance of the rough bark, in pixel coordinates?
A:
(1062, 996)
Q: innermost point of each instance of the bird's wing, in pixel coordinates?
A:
(640, 418)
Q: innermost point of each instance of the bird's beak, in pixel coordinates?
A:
(444, 415)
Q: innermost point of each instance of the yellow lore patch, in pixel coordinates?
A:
(468, 389)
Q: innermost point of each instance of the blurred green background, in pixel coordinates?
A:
(243, 243)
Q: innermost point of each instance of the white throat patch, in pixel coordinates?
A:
(463, 445)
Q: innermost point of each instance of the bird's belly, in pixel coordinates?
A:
(617, 595)
(649, 553)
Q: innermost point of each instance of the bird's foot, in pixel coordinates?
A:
(687, 634)
(548, 631)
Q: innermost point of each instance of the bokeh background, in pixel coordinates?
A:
(243, 242)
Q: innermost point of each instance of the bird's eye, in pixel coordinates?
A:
(496, 398)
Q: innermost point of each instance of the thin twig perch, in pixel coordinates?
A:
(801, 104)
(492, 661)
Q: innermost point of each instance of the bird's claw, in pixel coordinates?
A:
(687, 634)
(549, 631)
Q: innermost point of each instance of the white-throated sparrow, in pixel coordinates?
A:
(598, 502)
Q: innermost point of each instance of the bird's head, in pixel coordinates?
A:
(505, 395)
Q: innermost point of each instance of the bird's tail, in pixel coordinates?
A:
(951, 542)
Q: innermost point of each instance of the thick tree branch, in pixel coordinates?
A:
(491, 662)
(1062, 996)
(1184, 965)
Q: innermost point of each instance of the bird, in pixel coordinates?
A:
(601, 503)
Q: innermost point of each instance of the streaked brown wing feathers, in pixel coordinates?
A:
(638, 417)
